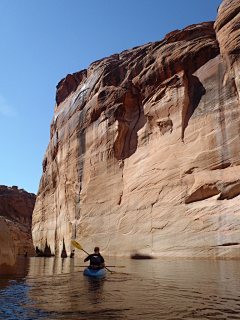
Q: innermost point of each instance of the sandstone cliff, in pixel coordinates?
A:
(16, 208)
(7, 249)
(144, 153)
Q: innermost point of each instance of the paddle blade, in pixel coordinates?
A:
(77, 245)
(120, 266)
(109, 270)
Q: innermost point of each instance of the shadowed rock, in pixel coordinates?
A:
(16, 206)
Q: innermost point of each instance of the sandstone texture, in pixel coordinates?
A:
(7, 249)
(144, 152)
(16, 208)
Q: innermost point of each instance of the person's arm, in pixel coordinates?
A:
(88, 257)
(103, 262)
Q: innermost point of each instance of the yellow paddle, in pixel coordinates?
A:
(78, 246)
(105, 267)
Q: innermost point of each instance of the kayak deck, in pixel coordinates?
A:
(95, 273)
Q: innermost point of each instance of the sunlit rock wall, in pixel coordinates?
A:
(144, 153)
(7, 249)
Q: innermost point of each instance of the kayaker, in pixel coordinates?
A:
(96, 260)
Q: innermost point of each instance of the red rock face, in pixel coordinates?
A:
(227, 27)
(7, 249)
(16, 207)
(144, 150)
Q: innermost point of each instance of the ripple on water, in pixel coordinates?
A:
(153, 289)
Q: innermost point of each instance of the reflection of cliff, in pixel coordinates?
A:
(16, 207)
(144, 149)
(153, 289)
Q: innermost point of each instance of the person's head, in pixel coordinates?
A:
(96, 249)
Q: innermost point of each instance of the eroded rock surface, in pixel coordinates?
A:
(16, 207)
(7, 249)
(144, 154)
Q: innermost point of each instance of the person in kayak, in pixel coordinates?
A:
(96, 260)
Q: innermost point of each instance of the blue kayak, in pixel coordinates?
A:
(95, 273)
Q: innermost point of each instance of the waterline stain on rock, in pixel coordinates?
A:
(157, 124)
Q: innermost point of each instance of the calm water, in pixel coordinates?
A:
(47, 288)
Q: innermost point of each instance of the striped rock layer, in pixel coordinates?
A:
(144, 153)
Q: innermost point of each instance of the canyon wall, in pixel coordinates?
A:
(16, 208)
(7, 249)
(144, 151)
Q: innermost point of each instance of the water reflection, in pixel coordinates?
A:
(94, 290)
(48, 288)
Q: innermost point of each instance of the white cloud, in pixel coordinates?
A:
(5, 109)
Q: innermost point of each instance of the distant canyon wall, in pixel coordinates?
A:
(7, 250)
(144, 151)
(16, 208)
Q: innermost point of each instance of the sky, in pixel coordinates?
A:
(41, 41)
